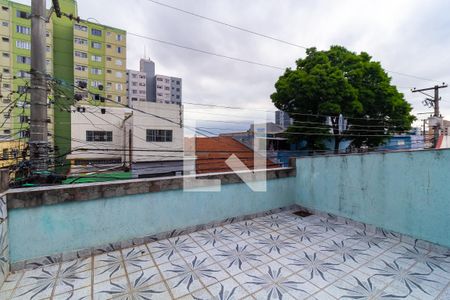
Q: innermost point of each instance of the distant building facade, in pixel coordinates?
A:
(161, 88)
(283, 119)
(136, 87)
(168, 89)
(148, 139)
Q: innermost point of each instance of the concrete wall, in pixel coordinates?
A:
(406, 192)
(50, 229)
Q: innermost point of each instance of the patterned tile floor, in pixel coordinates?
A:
(280, 256)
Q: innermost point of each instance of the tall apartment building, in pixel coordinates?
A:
(136, 87)
(148, 67)
(15, 63)
(283, 119)
(161, 88)
(168, 89)
(76, 52)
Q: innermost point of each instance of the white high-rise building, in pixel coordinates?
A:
(136, 87)
(168, 89)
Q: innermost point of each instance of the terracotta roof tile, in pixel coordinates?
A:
(212, 152)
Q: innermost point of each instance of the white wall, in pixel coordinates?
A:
(157, 151)
(93, 119)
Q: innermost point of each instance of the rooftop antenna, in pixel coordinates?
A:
(145, 52)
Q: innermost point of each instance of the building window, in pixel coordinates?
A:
(108, 46)
(81, 54)
(5, 8)
(23, 74)
(96, 45)
(118, 98)
(119, 62)
(6, 70)
(96, 71)
(22, 14)
(5, 54)
(157, 135)
(23, 59)
(22, 89)
(119, 74)
(5, 24)
(108, 58)
(23, 29)
(96, 58)
(80, 27)
(119, 87)
(119, 49)
(5, 154)
(5, 39)
(96, 32)
(23, 45)
(49, 48)
(81, 68)
(109, 71)
(95, 83)
(80, 41)
(24, 119)
(99, 136)
(79, 81)
(119, 37)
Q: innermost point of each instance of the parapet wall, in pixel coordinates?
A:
(405, 192)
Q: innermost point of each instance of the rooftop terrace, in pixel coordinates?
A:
(340, 227)
(278, 256)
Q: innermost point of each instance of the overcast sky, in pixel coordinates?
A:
(408, 36)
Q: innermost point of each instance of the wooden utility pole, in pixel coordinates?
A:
(38, 123)
(433, 101)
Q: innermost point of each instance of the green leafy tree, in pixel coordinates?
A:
(328, 83)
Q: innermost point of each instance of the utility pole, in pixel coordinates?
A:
(38, 125)
(433, 101)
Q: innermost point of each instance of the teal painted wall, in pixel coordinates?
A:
(46, 230)
(407, 192)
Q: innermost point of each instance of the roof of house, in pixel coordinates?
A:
(212, 152)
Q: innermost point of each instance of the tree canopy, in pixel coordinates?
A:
(338, 81)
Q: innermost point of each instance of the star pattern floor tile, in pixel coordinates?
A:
(280, 256)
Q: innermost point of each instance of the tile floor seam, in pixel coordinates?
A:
(160, 273)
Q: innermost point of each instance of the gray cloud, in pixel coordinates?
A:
(409, 36)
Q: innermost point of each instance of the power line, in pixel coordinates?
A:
(266, 35)
(206, 52)
(229, 25)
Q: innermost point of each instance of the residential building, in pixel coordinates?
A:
(98, 138)
(148, 67)
(161, 88)
(136, 87)
(168, 89)
(15, 63)
(10, 152)
(158, 140)
(283, 119)
(76, 52)
(148, 139)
